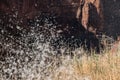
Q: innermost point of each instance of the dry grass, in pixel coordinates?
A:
(95, 67)
(80, 67)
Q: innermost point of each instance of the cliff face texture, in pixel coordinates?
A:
(112, 17)
(85, 11)
(92, 15)
(95, 15)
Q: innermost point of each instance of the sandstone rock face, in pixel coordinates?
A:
(91, 15)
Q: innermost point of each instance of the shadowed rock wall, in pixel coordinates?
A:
(92, 15)
(102, 12)
(112, 17)
(88, 12)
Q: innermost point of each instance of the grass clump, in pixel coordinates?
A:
(94, 67)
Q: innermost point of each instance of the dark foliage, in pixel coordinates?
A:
(72, 34)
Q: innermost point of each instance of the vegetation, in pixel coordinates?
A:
(40, 63)
(94, 67)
